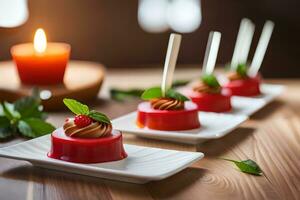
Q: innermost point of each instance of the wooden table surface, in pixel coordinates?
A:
(271, 137)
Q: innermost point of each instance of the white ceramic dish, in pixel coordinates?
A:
(250, 105)
(142, 165)
(213, 126)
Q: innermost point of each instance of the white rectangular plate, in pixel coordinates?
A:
(142, 165)
(250, 105)
(213, 126)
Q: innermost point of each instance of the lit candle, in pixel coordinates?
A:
(41, 63)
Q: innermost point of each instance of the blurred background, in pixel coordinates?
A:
(132, 33)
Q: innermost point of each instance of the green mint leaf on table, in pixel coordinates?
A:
(152, 93)
(76, 107)
(242, 70)
(99, 117)
(210, 80)
(247, 166)
(176, 95)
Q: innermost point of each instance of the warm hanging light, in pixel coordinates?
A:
(40, 41)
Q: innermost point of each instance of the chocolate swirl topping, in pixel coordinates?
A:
(94, 130)
(167, 104)
(201, 87)
(232, 76)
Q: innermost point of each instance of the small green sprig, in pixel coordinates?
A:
(24, 117)
(242, 70)
(81, 109)
(156, 92)
(211, 80)
(247, 166)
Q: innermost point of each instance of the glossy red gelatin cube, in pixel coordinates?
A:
(168, 120)
(210, 102)
(244, 87)
(86, 150)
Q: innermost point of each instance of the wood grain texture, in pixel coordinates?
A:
(271, 137)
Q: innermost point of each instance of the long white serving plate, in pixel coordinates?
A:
(250, 105)
(213, 126)
(142, 165)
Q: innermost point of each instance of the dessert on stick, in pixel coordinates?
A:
(87, 138)
(166, 109)
(207, 93)
(244, 81)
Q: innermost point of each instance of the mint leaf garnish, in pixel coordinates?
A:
(99, 117)
(247, 166)
(76, 107)
(155, 92)
(152, 93)
(210, 80)
(176, 95)
(242, 70)
(82, 109)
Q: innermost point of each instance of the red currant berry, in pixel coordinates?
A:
(82, 121)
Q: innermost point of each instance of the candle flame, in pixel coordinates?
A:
(40, 41)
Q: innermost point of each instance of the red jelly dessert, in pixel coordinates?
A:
(87, 150)
(87, 138)
(244, 86)
(209, 95)
(211, 102)
(170, 120)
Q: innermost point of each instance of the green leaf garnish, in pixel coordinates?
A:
(247, 166)
(242, 70)
(152, 93)
(156, 92)
(210, 80)
(99, 117)
(25, 116)
(82, 109)
(176, 95)
(76, 107)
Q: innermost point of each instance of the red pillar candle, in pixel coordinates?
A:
(41, 63)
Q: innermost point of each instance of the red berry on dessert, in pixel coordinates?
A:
(170, 112)
(240, 84)
(87, 138)
(208, 94)
(82, 121)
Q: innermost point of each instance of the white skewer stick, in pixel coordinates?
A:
(246, 44)
(211, 52)
(261, 48)
(170, 62)
(239, 42)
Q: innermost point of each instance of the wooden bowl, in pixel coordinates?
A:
(82, 81)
